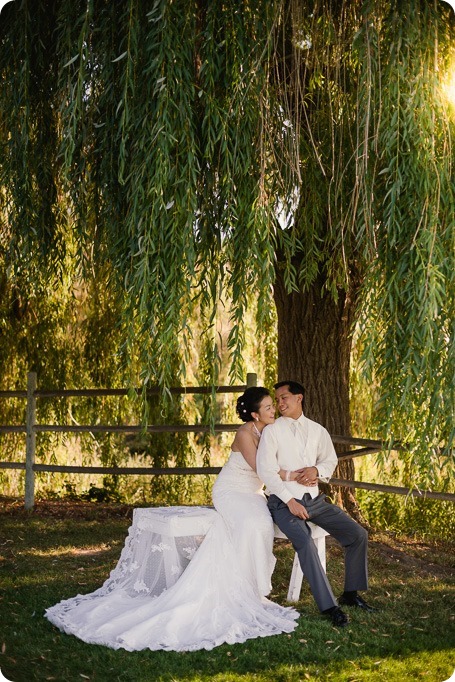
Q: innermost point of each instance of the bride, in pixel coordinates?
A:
(221, 595)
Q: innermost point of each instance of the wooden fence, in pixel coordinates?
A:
(31, 428)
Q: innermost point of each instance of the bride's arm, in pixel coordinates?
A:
(287, 475)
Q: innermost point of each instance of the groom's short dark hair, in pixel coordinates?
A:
(294, 387)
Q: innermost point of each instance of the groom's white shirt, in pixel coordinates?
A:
(280, 448)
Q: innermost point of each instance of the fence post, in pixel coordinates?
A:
(251, 379)
(30, 445)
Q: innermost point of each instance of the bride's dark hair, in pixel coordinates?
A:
(250, 401)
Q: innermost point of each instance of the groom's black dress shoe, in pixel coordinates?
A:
(355, 600)
(337, 616)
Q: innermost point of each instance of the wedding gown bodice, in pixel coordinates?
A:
(237, 476)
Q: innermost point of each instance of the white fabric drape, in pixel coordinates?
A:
(187, 592)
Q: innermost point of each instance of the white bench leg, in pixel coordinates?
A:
(320, 546)
(295, 584)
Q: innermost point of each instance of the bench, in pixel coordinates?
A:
(161, 542)
(295, 584)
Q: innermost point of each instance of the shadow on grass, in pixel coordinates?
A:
(46, 560)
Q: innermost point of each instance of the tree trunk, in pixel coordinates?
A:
(314, 348)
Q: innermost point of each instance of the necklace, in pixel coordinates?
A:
(256, 430)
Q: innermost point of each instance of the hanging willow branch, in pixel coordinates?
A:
(412, 214)
(189, 148)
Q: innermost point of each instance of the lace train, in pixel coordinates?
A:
(211, 604)
(186, 593)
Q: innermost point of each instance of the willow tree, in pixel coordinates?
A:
(364, 88)
(280, 149)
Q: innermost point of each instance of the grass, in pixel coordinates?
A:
(62, 549)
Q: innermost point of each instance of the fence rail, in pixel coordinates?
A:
(31, 428)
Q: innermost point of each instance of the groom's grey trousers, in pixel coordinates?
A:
(351, 536)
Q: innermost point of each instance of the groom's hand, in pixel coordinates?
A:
(297, 509)
(307, 476)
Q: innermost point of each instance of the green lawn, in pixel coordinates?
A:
(60, 550)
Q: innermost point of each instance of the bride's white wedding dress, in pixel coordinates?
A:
(220, 596)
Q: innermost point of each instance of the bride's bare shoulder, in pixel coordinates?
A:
(246, 430)
(243, 433)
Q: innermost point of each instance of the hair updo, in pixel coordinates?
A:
(250, 402)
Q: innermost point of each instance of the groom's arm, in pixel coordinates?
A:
(327, 459)
(268, 471)
(267, 465)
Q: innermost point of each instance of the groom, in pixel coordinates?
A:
(295, 443)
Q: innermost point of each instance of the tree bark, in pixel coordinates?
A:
(314, 348)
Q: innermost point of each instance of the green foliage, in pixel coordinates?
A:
(373, 212)
(409, 309)
(419, 516)
(146, 150)
(427, 519)
(108, 492)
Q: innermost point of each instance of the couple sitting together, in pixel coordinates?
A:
(221, 597)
